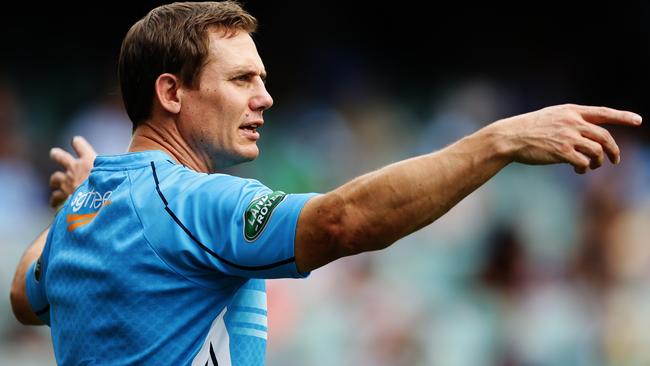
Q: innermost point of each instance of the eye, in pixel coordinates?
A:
(244, 77)
(249, 77)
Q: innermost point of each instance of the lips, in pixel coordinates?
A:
(249, 130)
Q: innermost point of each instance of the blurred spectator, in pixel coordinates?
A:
(23, 211)
(465, 107)
(23, 190)
(613, 260)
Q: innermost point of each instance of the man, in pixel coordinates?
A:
(152, 261)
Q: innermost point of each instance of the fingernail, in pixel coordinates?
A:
(638, 119)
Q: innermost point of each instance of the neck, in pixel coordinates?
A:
(166, 138)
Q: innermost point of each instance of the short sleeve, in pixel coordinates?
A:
(35, 285)
(247, 229)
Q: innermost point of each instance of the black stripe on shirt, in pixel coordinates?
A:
(203, 246)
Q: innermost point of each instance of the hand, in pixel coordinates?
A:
(63, 183)
(563, 134)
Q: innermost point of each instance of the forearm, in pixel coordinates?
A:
(19, 300)
(401, 198)
(376, 209)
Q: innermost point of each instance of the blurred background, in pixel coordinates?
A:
(538, 267)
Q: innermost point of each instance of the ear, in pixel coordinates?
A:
(167, 92)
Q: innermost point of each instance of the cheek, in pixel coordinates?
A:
(217, 114)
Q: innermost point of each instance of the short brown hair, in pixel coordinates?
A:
(172, 39)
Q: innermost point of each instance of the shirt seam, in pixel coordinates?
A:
(120, 167)
(208, 250)
(300, 275)
(144, 235)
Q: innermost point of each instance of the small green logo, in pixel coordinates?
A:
(37, 270)
(259, 211)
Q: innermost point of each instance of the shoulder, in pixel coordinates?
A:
(176, 180)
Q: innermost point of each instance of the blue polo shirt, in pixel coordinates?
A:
(152, 263)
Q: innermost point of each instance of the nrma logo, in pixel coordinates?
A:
(92, 200)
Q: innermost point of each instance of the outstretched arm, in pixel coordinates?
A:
(373, 211)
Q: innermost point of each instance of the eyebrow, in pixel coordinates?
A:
(249, 70)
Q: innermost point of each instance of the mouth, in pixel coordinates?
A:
(249, 130)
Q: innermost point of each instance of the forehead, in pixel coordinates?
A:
(231, 52)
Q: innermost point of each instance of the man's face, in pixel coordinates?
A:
(220, 116)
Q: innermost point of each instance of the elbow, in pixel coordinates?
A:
(351, 239)
(20, 305)
(14, 296)
(332, 234)
(348, 231)
(340, 238)
(330, 228)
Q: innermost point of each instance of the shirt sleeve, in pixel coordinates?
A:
(246, 229)
(35, 285)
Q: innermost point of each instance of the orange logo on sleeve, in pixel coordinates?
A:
(92, 200)
(78, 220)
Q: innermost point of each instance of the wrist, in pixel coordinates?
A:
(498, 142)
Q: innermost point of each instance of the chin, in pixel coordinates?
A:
(247, 153)
(242, 155)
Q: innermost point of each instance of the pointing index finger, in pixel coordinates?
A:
(604, 115)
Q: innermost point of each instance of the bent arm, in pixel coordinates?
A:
(19, 301)
(63, 183)
(373, 211)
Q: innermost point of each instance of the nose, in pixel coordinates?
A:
(262, 100)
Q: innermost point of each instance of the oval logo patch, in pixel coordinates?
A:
(258, 212)
(37, 269)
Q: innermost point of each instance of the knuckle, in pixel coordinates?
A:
(571, 118)
(566, 148)
(54, 178)
(598, 149)
(568, 134)
(602, 133)
(603, 136)
(602, 110)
